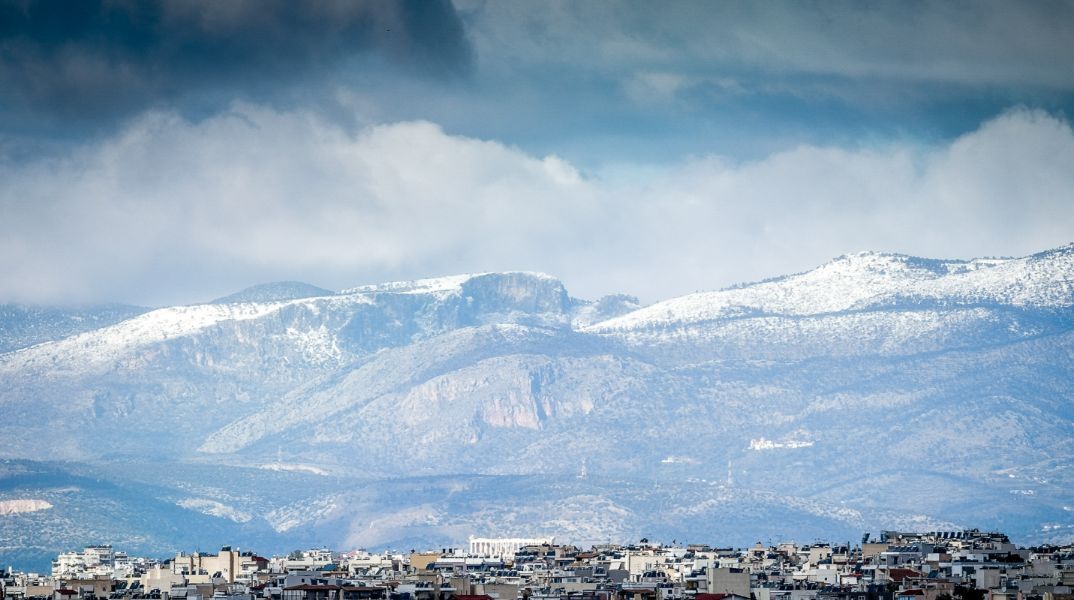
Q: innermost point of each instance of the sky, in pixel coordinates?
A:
(159, 153)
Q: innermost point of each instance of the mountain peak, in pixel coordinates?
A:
(892, 262)
(279, 290)
(1064, 250)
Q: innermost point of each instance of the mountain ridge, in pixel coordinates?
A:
(709, 305)
(955, 375)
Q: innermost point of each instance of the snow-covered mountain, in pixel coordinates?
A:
(23, 326)
(870, 280)
(877, 390)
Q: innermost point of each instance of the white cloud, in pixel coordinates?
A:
(170, 210)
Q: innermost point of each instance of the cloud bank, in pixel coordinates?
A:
(170, 210)
(990, 42)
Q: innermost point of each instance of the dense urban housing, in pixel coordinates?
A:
(956, 565)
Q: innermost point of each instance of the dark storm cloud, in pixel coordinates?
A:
(92, 60)
(983, 42)
(680, 71)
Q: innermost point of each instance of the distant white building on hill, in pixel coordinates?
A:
(501, 547)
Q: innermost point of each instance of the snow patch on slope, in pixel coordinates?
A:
(303, 512)
(14, 507)
(215, 509)
(449, 283)
(767, 444)
(281, 466)
(416, 286)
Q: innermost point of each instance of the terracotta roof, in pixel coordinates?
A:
(900, 574)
